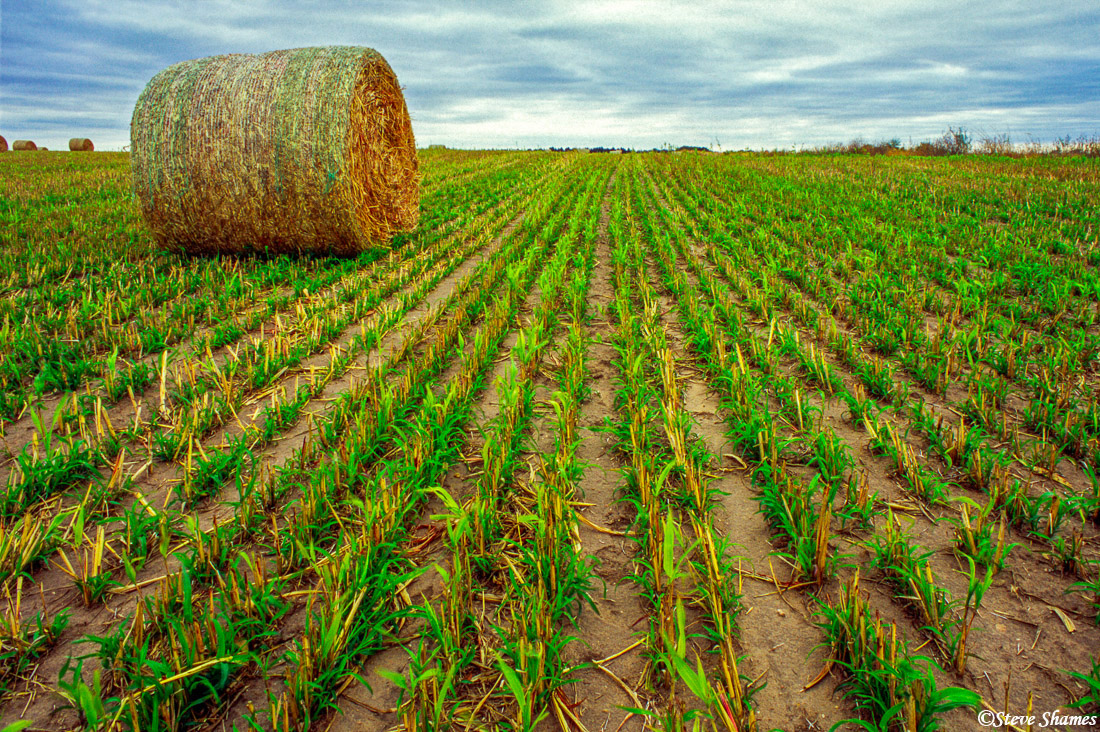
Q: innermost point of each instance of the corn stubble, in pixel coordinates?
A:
(245, 466)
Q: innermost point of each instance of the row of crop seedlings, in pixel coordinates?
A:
(136, 522)
(50, 465)
(1011, 255)
(915, 253)
(510, 538)
(889, 309)
(178, 659)
(547, 576)
(1049, 370)
(1062, 406)
(964, 255)
(800, 517)
(260, 493)
(461, 166)
(979, 536)
(894, 554)
(78, 339)
(255, 364)
(258, 356)
(680, 561)
(984, 467)
(965, 444)
(205, 474)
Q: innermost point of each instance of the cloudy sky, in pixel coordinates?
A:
(737, 75)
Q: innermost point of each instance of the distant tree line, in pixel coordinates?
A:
(955, 141)
(665, 148)
(960, 142)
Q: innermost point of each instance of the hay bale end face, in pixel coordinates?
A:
(309, 149)
(81, 144)
(3, 144)
(24, 145)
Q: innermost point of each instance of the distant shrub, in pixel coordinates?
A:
(953, 142)
(1087, 146)
(859, 146)
(996, 145)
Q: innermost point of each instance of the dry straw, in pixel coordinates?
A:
(81, 144)
(24, 145)
(3, 144)
(309, 149)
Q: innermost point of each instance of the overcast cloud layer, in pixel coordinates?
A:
(603, 72)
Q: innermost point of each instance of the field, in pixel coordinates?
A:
(611, 442)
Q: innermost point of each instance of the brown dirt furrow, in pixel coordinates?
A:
(777, 631)
(619, 610)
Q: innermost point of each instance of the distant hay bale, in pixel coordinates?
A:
(3, 144)
(81, 144)
(24, 145)
(309, 149)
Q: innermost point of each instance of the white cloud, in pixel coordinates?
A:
(487, 74)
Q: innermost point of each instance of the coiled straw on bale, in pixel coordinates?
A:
(3, 144)
(24, 145)
(81, 144)
(309, 149)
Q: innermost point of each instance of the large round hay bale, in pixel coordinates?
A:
(81, 144)
(309, 149)
(24, 145)
(3, 144)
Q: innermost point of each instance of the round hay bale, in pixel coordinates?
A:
(3, 144)
(24, 145)
(309, 149)
(81, 144)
